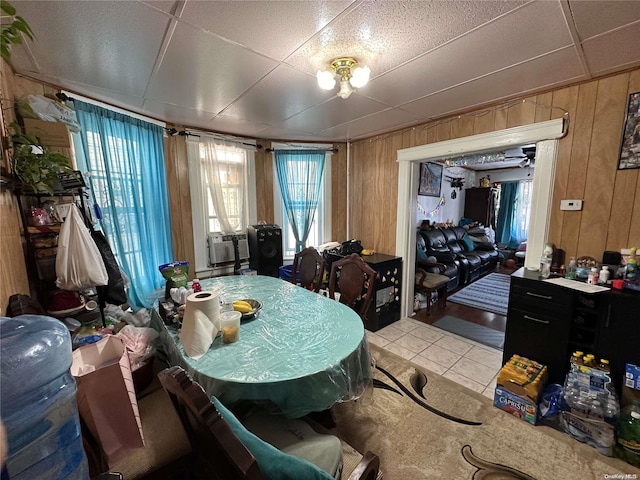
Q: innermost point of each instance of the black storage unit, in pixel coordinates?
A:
(385, 305)
(265, 249)
(547, 322)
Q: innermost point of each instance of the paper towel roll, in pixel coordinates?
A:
(200, 323)
(207, 302)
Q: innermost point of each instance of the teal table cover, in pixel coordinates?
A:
(303, 352)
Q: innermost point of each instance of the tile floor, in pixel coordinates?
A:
(464, 361)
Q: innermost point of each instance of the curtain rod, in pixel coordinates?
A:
(184, 133)
(333, 150)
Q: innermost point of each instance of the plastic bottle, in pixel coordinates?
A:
(603, 276)
(38, 400)
(604, 365)
(593, 276)
(571, 269)
(545, 261)
(627, 447)
(195, 286)
(631, 269)
(576, 360)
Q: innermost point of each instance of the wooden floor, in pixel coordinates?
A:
(470, 314)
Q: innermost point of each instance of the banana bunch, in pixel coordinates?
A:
(242, 306)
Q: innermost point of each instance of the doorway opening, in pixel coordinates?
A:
(544, 134)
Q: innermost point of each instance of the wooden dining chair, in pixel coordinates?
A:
(225, 449)
(311, 266)
(355, 281)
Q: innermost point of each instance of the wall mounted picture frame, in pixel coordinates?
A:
(630, 144)
(430, 179)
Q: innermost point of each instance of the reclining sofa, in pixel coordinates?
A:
(464, 259)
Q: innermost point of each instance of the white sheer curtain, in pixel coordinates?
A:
(225, 179)
(523, 210)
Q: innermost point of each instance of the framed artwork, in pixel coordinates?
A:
(630, 145)
(430, 179)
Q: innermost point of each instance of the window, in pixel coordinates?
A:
(523, 209)
(234, 163)
(321, 226)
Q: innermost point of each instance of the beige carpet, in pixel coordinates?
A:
(414, 443)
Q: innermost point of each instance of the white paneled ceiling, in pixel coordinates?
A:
(248, 67)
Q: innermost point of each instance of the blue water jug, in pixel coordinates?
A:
(38, 400)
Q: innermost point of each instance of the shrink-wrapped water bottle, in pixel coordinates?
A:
(38, 400)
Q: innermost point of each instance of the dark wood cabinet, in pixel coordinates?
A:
(547, 322)
(479, 205)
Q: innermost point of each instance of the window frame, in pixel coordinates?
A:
(200, 234)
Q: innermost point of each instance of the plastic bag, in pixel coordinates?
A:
(79, 264)
(50, 111)
(139, 343)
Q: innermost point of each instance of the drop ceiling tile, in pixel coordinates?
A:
(595, 17)
(275, 29)
(278, 132)
(236, 126)
(613, 50)
(553, 70)
(188, 117)
(334, 112)
(167, 6)
(203, 72)
(117, 99)
(281, 94)
(79, 40)
(378, 123)
(505, 42)
(384, 35)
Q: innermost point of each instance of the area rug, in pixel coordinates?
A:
(424, 426)
(490, 293)
(473, 331)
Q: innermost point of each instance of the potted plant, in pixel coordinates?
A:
(34, 165)
(12, 33)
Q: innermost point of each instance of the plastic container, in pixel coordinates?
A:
(195, 286)
(230, 326)
(571, 269)
(603, 277)
(38, 400)
(627, 447)
(631, 268)
(593, 276)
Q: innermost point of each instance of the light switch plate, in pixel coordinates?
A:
(570, 204)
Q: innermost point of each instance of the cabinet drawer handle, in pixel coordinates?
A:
(536, 319)
(546, 297)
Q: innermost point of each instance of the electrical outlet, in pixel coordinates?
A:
(570, 204)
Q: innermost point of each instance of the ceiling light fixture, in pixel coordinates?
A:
(351, 76)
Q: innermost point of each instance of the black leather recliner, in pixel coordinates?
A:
(463, 265)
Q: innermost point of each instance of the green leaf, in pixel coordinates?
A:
(7, 8)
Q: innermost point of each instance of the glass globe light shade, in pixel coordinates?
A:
(345, 89)
(325, 80)
(360, 77)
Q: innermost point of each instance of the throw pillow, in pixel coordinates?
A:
(422, 255)
(469, 245)
(274, 464)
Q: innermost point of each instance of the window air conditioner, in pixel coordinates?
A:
(221, 247)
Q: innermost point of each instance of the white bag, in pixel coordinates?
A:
(79, 264)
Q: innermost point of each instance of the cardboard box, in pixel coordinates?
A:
(520, 407)
(630, 385)
(51, 134)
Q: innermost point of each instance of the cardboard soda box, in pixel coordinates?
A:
(520, 407)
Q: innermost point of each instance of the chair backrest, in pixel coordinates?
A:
(355, 280)
(220, 453)
(311, 266)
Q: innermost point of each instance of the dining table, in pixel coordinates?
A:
(301, 353)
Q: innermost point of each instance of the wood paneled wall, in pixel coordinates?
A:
(586, 167)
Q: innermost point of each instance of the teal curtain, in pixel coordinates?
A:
(505, 229)
(124, 158)
(300, 178)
